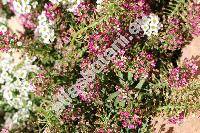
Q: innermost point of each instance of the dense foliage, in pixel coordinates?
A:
(58, 39)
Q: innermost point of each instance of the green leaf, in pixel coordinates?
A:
(122, 103)
(130, 77)
(116, 103)
(120, 74)
(113, 95)
(141, 83)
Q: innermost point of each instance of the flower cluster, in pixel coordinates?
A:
(23, 6)
(143, 65)
(98, 66)
(27, 21)
(45, 28)
(99, 1)
(57, 2)
(73, 5)
(120, 62)
(194, 18)
(70, 115)
(3, 20)
(51, 12)
(150, 25)
(177, 119)
(99, 4)
(123, 93)
(100, 41)
(102, 130)
(21, 115)
(15, 87)
(90, 93)
(129, 120)
(3, 29)
(137, 8)
(174, 39)
(4, 131)
(6, 40)
(83, 12)
(180, 76)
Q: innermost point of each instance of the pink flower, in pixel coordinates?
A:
(177, 119)
(130, 120)
(131, 126)
(90, 93)
(143, 64)
(175, 39)
(8, 39)
(120, 64)
(180, 76)
(27, 21)
(41, 75)
(4, 131)
(194, 18)
(51, 12)
(138, 7)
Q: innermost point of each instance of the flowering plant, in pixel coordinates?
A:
(94, 65)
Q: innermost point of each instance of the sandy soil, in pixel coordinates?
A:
(190, 124)
(192, 50)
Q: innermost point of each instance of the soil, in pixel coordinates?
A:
(190, 124)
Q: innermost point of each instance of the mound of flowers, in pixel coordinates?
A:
(100, 66)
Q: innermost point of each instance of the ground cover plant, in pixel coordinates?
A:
(126, 51)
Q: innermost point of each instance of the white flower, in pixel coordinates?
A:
(3, 28)
(45, 29)
(1, 80)
(56, 1)
(71, 1)
(34, 4)
(20, 74)
(14, 85)
(2, 19)
(145, 20)
(145, 27)
(42, 17)
(148, 33)
(4, 2)
(149, 24)
(8, 79)
(7, 95)
(47, 40)
(154, 19)
(15, 90)
(21, 115)
(6, 76)
(99, 1)
(23, 6)
(17, 83)
(74, 5)
(19, 43)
